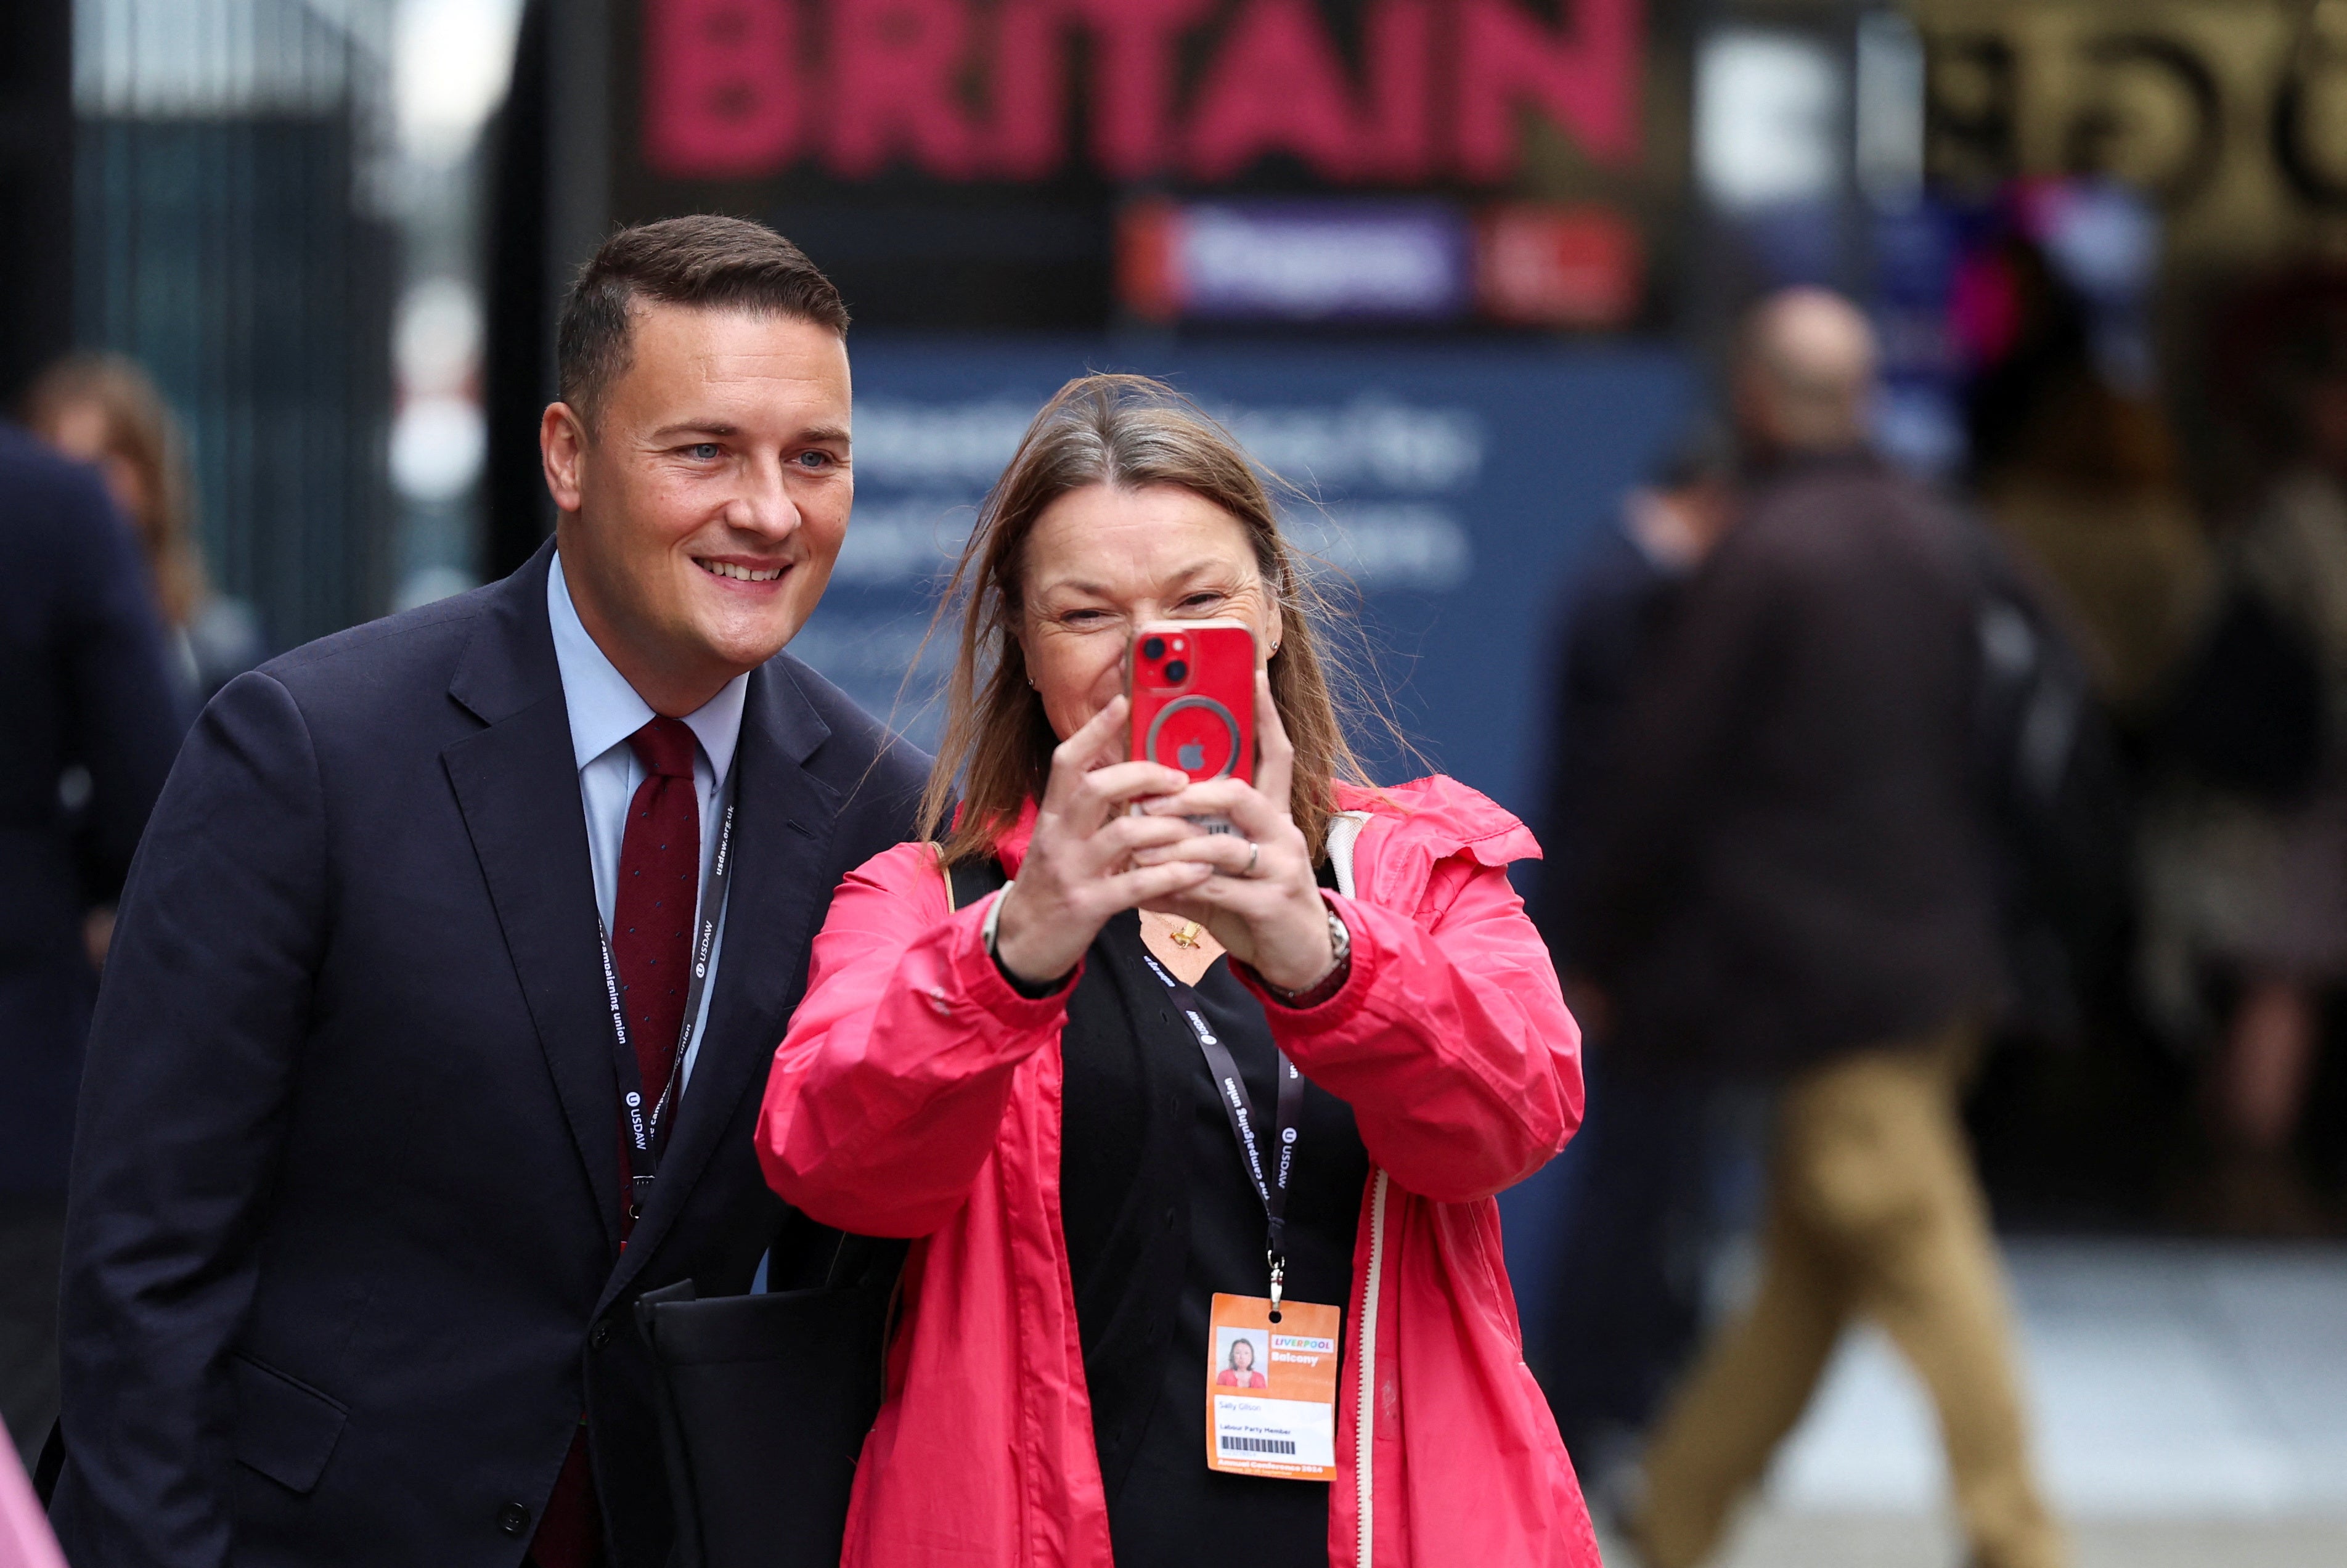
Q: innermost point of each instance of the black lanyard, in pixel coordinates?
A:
(1231, 1090)
(644, 1129)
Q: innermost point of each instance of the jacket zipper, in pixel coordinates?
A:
(1365, 1408)
(1343, 832)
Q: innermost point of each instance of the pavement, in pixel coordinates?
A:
(2190, 1403)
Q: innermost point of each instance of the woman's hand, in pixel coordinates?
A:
(1081, 867)
(1261, 901)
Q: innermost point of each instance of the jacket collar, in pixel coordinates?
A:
(1011, 847)
(1769, 466)
(516, 786)
(509, 664)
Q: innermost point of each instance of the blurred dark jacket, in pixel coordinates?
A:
(85, 702)
(1794, 860)
(1607, 621)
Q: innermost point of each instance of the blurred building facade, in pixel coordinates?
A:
(227, 235)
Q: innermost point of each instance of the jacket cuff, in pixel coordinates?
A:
(985, 984)
(1331, 1012)
(987, 939)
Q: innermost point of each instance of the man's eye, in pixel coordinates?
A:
(703, 451)
(815, 460)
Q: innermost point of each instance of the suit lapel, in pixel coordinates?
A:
(517, 784)
(783, 834)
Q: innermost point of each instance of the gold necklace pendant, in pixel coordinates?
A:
(1187, 935)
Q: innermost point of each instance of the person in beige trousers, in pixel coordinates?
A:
(1873, 1212)
(1793, 886)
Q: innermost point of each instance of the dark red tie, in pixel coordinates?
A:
(652, 943)
(652, 918)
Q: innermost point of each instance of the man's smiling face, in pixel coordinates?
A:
(705, 496)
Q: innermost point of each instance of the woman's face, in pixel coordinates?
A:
(1242, 1355)
(1101, 561)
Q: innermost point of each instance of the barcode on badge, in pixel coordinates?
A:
(1232, 1445)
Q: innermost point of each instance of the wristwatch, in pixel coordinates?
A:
(1341, 943)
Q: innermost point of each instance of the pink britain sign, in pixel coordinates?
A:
(980, 89)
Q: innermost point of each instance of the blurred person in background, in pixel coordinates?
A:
(2249, 859)
(87, 707)
(2098, 571)
(1794, 886)
(2084, 479)
(1634, 1221)
(106, 410)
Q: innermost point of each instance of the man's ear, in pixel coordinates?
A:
(563, 451)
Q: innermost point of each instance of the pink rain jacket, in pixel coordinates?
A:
(919, 1095)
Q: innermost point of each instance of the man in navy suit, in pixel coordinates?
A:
(85, 702)
(448, 975)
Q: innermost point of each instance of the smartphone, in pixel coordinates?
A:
(1191, 684)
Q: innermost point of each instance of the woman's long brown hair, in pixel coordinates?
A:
(142, 431)
(1127, 432)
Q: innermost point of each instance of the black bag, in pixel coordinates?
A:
(764, 1402)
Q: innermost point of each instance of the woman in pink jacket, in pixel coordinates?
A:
(1125, 1080)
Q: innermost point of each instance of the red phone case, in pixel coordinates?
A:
(1192, 685)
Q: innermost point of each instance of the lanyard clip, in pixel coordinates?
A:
(1278, 1280)
(640, 1192)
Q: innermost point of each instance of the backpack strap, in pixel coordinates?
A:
(967, 883)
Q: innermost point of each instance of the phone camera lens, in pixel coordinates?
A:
(1154, 647)
(1176, 671)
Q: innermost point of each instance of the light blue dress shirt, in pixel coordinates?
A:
(604, 711)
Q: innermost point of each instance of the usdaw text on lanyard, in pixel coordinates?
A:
(645, 1126)
(1271, 1364)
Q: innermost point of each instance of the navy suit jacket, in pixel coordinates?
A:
(82, 685)
(343, 1262)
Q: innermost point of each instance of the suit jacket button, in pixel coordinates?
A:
(513, 1519)
(600, 1335)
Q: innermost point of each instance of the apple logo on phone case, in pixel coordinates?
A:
(1198, 734)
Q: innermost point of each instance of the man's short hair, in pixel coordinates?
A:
(705, 261)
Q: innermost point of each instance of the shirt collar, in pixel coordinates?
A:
(605, 710)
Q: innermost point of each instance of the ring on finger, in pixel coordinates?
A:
(1254, 855)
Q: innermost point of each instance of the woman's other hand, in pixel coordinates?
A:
(1081, 867)
(1260, 898)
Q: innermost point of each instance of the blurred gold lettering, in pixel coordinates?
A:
(2230, 114)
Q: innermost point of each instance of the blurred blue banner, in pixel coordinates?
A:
(1455, 486)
